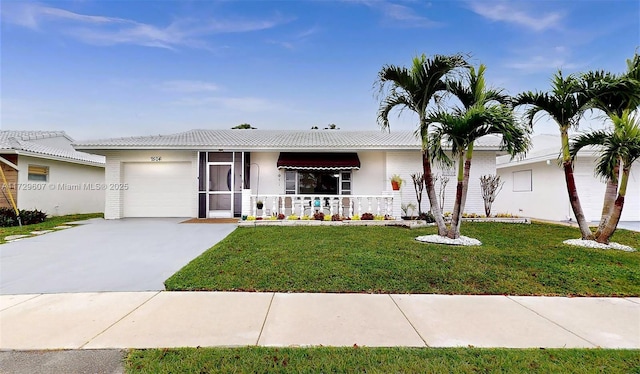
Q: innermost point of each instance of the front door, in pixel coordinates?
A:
(220, 191)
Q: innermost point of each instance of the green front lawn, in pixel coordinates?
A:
(48, 224)
(514, 259)
(381, 360)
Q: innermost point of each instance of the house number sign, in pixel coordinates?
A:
(156, 158)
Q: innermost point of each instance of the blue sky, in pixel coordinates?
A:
(123, 68)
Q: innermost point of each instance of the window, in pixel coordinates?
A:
(290, 185)
(38, 173)
(317, 182)
(345, 183)
(522, 181)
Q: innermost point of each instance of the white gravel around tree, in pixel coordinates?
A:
(437, 239)
(594, 244)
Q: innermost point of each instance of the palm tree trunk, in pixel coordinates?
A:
(431, 193)
(611, 226)
(461, 194)
(574, 200)
(456, 217)
(609, 201)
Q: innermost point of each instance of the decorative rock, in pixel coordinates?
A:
(437, 239)
(40, 232)
(595, 244)
(15, 237)
(62, 227)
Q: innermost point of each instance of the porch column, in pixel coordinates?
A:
(246, 202)
(396, 210)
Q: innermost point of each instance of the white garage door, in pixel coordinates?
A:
(158, 189)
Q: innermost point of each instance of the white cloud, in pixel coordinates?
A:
(188, 86)
(400, 15)
(100, 30)
(297, 39)
(511, 12)
(542, 63)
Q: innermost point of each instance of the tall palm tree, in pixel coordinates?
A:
(416, 88)
(613, 94)
(459, 130)
(565, 104)
(619, 149)
(471, 91)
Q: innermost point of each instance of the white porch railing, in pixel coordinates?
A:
(300, 205)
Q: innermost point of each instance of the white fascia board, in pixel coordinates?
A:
(58, 158)
(541, 158)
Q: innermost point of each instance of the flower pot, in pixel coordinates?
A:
(395, 185)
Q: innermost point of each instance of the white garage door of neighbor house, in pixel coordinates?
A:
(158, 189)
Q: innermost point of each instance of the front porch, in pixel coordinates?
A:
(292, 206)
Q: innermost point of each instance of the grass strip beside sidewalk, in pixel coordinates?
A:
(381, 360)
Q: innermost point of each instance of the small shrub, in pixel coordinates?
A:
(355, 217)
(327, 217)
(8, 217)
(367, 217)
(506, 215)
(379, 218)
(293, 217)
(427, 217)
(251, 218)
(470, 215)
(305, 217)
(281, 216)
(336, 217)
(319, 216)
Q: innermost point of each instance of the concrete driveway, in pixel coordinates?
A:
(135, 254)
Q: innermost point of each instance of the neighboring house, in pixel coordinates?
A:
(535, 185)
(45, 172)
(223, 173)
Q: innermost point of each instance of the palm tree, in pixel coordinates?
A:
(472, 92)
(613, 94)
(472, 89)
(415, 88)
(459, 130)
(620, 148)
(565, 104)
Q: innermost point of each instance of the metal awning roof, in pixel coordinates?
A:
(318, 161)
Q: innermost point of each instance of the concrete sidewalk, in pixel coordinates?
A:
(179, 319)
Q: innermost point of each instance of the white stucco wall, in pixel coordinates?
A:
(266, 179)
(114, 175)
(67, 190)
(370, 179)
(549, 200)
(405, 163)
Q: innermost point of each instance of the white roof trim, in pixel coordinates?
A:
(7, 162)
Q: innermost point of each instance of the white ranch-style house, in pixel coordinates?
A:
(43, 171)
(225, 173)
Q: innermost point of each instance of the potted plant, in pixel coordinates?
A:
(396, 182)
(259, 204)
